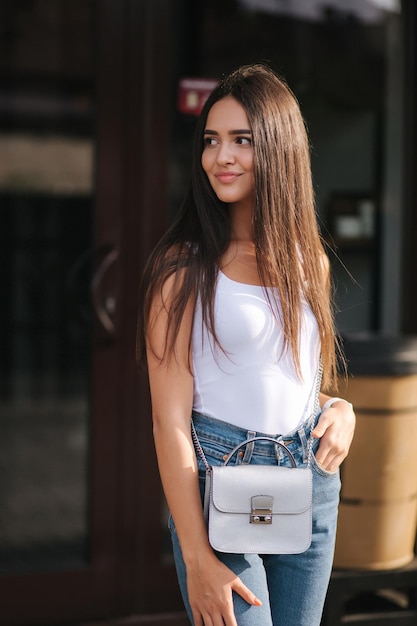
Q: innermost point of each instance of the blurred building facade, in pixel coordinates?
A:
(98, 101)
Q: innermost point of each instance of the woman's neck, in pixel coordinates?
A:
(239, 261)
(241, 223)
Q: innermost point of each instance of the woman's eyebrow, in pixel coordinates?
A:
(243, 131)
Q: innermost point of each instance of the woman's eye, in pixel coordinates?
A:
(244, 141)
(210, 141)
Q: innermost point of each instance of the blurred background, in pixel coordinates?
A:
(98, 102)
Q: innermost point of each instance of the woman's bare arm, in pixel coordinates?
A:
(210, 583)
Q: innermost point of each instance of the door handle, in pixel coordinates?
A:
(104, 294)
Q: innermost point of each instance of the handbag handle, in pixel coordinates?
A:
(240, 445)
(262, 438)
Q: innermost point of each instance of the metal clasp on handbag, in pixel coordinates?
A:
(261, 510)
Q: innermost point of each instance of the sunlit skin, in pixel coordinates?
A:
(227, 158)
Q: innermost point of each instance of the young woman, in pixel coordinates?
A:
(236, 317)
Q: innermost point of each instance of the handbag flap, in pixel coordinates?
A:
(233, 488)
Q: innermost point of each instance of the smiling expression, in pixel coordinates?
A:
(227, 157)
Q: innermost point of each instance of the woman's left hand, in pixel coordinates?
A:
(335, 429)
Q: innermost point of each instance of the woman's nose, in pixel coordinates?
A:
(225, 154)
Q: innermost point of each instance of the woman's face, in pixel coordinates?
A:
(227, 157)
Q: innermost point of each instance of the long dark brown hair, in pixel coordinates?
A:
(289, 251)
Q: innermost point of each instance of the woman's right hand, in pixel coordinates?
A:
(210, 586)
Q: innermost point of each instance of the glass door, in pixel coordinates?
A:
(58, 314)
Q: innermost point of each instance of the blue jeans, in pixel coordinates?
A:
(292, 588)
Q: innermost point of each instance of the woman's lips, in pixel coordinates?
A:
(227, 177)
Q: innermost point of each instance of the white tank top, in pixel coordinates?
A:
(253, 383)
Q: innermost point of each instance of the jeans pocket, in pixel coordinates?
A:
(316, 465)
(215, 450)
(321, 471)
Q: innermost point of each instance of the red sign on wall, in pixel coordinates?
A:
(193, 93)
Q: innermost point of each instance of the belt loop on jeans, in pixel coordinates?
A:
(303, 439)
(249, 447)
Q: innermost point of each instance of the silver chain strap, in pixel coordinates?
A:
(319, 377)
(198, 447)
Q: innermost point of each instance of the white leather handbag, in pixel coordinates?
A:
(264, 509)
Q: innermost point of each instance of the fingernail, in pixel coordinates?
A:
(257, 602)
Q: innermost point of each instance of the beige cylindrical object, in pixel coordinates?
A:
(378, 509)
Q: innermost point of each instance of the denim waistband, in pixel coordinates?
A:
(210, 428)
